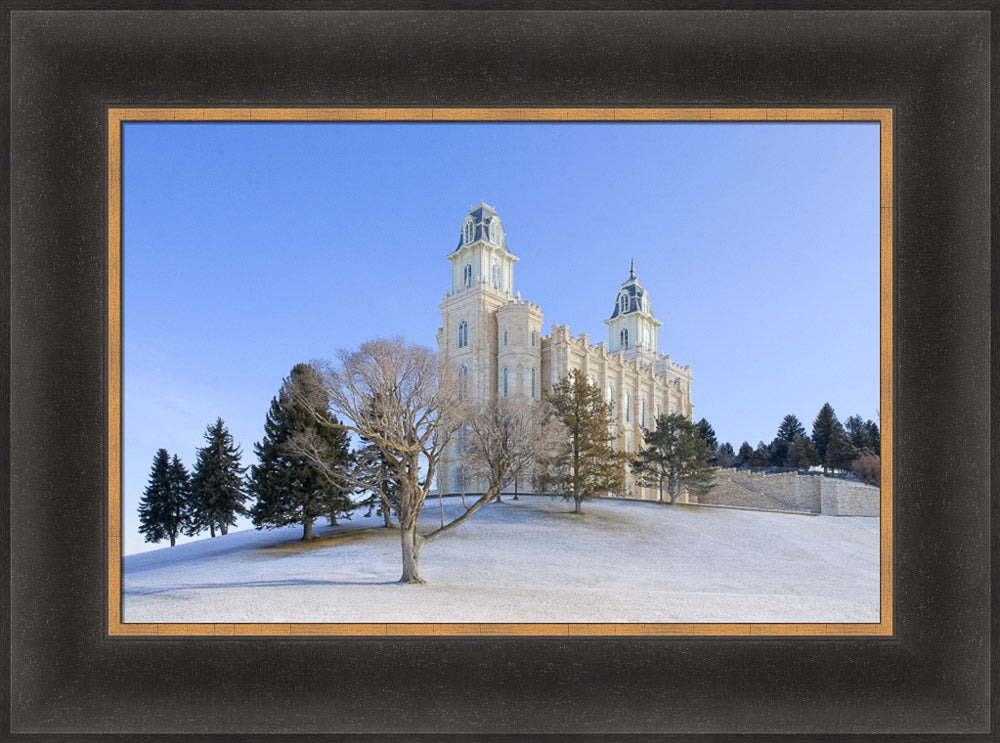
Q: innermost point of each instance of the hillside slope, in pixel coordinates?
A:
(527, 561)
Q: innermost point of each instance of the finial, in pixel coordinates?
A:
(631, 269)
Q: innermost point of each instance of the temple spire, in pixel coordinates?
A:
(631, 269)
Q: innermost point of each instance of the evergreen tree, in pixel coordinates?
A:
(586, 464)
(375, 470)
(789, 428)
(302, 444)
(676, 454)
(874, 437)
(163, 509)
(864, 435)
(725, 456)
(823, 430)
(802, 453)
(218, 487)
(761, 456)
(707, 434)
(840, 452)
(744, 455)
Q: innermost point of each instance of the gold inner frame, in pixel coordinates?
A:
(119, 116)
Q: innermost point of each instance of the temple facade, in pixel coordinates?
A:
(495, 339)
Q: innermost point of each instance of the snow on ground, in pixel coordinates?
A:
(529, 560)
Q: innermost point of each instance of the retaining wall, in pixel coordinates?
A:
(790, 491)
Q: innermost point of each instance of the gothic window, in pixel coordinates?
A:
(532, 382)
(624, 338)
(459, 479)
(497, 284)
(611, 399)
(628, 407)
(643, 422)
(505, 337)
(659, 410)
(494, 232)
(463, 334)
(623, 302)
(534, 338)
(470, 228)
(505, 381)
(467, 275)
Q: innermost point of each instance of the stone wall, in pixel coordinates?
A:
(790, 491)
(846, 498)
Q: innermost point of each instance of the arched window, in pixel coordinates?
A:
(495, 232)
(623, 302)
(534, 338)
(624, 337)
(467, 275)
(643, 421)
(505, 381)
(659, 410)
(611, 399)
(532, 382)
(463, 334)
(628, 407)
(470, 229)
(505, 337)
(496, 277)
(459, 480)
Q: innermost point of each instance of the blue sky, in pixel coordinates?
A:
(250, 247)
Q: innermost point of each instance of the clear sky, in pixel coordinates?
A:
(248, 248)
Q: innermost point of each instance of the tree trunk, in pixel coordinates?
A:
(307, 530)
(211, 529)
(333, 519)
(411, 556)
(173, 539)
(224, 528)
(578, 504)
(661, 488)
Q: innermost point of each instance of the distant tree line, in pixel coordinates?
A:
(853, 446)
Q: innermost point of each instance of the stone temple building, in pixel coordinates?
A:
(495, 339)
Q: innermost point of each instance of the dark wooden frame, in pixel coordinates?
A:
(68, 676)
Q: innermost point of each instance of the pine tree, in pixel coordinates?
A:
(586, 464)
(163, 509)
(218, 487)
(761, 456)
(840, 452)
(744, 455)
(789, 428)
(874, 436)
(676, 454)
(707, 433)
(864, 435)
(802, 453)
(288, 487)
(725, 456)
(822, 430)
(375, 470)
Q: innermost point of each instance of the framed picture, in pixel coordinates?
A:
(76, 667)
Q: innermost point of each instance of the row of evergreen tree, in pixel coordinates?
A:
(283, 488)
(851, 446)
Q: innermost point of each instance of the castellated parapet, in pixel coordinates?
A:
(639, 387)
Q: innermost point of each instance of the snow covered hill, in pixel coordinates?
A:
(527, 561)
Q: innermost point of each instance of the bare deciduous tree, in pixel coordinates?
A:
(509, 438)
(394, 395)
